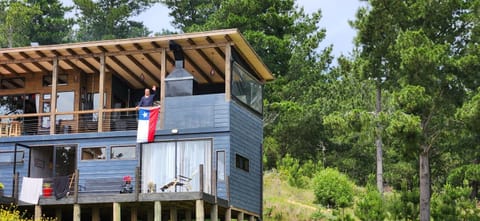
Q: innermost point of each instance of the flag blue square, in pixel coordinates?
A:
(143, 114)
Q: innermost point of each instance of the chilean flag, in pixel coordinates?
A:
(147, 123)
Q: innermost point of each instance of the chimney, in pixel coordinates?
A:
(179, 82)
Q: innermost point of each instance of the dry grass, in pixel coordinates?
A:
(283, 202)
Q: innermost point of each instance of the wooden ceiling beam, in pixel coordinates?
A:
(83, 61)
(149, 57)
(36, 64)
(140, 65)
(21, 65)
(217, 49)
(69, 62)
(125, 68)
(11, 70)
(207, 59)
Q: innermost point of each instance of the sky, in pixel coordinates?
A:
(335, 17)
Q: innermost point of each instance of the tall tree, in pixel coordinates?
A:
(421, 41)
(109, 19)
(15, 18)
(50, 26)
(189, 13)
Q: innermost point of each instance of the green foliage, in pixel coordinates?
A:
(370, 205)
(453, 203)
(333, 189)
(13, 214)
(106, 19)
(296, 174)
(50, 26)
(2, 185)
(404, 205)
(15, 19)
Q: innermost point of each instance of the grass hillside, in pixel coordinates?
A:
(283, 202)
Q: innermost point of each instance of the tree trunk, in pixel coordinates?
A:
(378, 142)
(424, 185)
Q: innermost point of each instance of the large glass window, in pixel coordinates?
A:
(93, 153)
(123, 152)
(246, 88)
(7, 157)
(180, 162)
(242, 163)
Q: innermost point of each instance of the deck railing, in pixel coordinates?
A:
(122, 119)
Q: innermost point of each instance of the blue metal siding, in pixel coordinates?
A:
(246, 140)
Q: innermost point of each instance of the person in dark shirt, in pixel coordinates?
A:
(147, 99)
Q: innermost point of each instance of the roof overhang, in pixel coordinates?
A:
(137, 60)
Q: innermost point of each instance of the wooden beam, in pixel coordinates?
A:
(228, 73)
(139, 65)
(101, 90)
(108, 54)
(196, 67)
(76, 212)
(11, 70)
(53, 96)
(21, 65)
(36, 64)
(125, 68)
(251, 218)
(157, 211)
(162, 88)
(217, 49)
(214, 213)
(157, 46)
(208, 60)
(149, 57)
(83, 61)
(95, 214)
(38, 212)
(199, 210)
(117, 213)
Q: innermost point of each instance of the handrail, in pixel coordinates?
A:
(69, 112)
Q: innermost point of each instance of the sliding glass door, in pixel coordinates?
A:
(174, 166)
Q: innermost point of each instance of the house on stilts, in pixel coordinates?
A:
(68, 117)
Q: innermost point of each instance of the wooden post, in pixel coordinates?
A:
(101, 89)
(200, 169)
(137, 183)
(75, 186)
(53, 96)
(163, 72)
(188, 215)
(157, 211)
(199, 211)
(228, 214)
(251, 218)
(117, 213)
(214, 213)
(240, 216)
(173, 214)
(133, 213)
(58, 213)
(95, 214)
(228, 72)
(38, 212)
(15, 187)
(76, 212)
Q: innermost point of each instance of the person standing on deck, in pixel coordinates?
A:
(147, 99)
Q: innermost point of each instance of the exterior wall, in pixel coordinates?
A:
(246, 140)
(200, 111)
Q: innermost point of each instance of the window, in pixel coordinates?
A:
(163, 162)
(12, 83)
(123, 152)
(7, 157)
(62, 79)
(94, 153)
(65, 103)
(221, 165)
(242, 162)
(246, 88)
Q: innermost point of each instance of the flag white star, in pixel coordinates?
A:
(145, 114)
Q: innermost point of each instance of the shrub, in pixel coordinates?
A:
(370, 206)
(13, 214)
(333, 189)
(453, 203)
